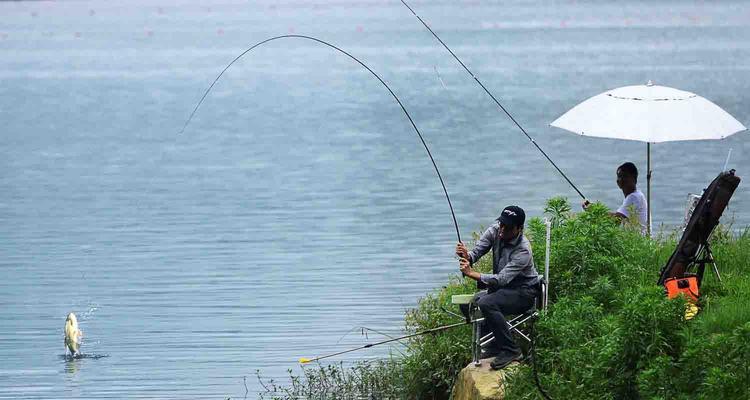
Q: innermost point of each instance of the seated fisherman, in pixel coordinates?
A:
(635, 201)
(513, 284)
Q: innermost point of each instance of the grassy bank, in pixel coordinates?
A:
(609, 333)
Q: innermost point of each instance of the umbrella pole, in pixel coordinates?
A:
(648, 188)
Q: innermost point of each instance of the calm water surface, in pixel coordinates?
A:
(299, 204)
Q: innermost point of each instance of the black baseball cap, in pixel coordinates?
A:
(512, 216)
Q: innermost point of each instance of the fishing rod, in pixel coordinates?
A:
(437, 171)
(493, 98)
(304, 360)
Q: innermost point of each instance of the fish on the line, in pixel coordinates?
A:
(73, 335)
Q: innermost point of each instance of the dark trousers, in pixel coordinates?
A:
(501, 302)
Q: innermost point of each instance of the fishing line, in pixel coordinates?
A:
(493, 98)
(439, 77)
(437, 171)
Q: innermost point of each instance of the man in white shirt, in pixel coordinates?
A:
(634, 207)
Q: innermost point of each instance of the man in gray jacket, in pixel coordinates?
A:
(513, 284)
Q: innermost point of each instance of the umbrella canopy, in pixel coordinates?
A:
(652, 114)
(649, 113)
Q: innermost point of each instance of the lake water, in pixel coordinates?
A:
(299, 204)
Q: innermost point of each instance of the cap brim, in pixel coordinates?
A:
(504, 219)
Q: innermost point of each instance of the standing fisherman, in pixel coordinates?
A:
(512, 286)
(634, 207)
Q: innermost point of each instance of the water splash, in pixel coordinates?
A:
(82, 356)
(92, 308)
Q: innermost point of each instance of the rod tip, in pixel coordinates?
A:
(304, 360)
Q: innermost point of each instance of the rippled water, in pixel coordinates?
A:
(299, 204)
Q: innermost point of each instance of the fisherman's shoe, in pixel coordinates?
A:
(506, 358)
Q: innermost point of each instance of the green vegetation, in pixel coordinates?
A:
(609, 333)
(367, 380)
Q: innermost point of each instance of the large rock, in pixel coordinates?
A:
(481, 383)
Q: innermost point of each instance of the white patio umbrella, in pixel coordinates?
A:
(649, 113)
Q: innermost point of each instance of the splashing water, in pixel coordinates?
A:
(92, 308)
(81, 356)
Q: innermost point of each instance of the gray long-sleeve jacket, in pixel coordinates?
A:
(511, 261)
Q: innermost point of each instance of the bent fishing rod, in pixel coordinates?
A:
(495, 99)
(304, 360)
(437, 171)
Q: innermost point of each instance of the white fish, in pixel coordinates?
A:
(73, 335)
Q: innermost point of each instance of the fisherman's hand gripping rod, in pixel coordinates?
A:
(494, 99)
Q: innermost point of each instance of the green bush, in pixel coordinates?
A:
(376, 380)
(433, 361)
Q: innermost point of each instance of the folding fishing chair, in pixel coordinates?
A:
(516, 324)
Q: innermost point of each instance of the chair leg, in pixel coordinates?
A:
(515, 327)
(476, 347)
(486, 339)
(522, 334)
(478, 341)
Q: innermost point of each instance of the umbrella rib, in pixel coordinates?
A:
(640, 99)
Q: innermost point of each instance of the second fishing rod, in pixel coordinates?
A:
(495, 100)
